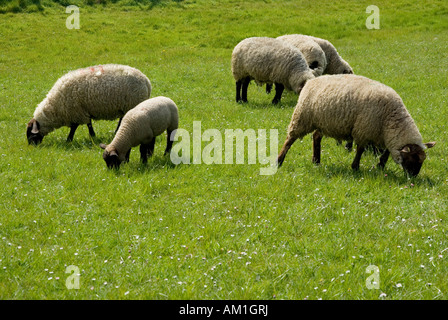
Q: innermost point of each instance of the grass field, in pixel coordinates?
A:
(197, 231)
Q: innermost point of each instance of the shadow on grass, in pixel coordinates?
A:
(392, 176)
(136, 167)
(78, 143)
(284, 104)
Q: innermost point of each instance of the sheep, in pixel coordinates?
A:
(348, 107)
(313, 53)
(268, 60)
(140, 126)
(103, 92)
(335, 63)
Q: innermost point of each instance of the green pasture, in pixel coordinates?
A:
(218, 231)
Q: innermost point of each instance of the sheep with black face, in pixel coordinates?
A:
(104, 92)
(351, 107)
(268, 60)
(140, 126)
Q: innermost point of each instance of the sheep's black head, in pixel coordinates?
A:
(412, 156)
(314, 65)
(111, 158)
(33, 133)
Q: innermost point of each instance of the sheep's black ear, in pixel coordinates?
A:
(430, 144)
(103, 146)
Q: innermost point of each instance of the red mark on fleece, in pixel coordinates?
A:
(99, 68)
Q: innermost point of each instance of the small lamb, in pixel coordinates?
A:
(104, 92)
(268, 60)
(348, 107)
(140, 126)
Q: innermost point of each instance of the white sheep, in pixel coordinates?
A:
(349, 107)
(268, 60)
(311, 50)
(140, 126)
(103, 92)
(335, 63)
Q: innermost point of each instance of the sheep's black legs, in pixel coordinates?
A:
(145, 151)
(278, 93)
(73, 128)
(118, 125)
(281, 156)
(241, 89)
(245, 85)
(126, 159)
(150, 151)
(169, 142)
(238, 90)
(317, 138)
(268, 88)
(383, 159)
(91, 131)
(355, 163)
(349, 146)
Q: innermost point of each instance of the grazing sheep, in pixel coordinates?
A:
(349, 107)
(103, 92)
(140, 126)
(313, 53)
(268, 60)
(335, 63)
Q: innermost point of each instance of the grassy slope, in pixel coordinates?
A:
(219, 231)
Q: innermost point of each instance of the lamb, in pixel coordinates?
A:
(348, 107)
(103, 92)
(140, 126)
(268, 60)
